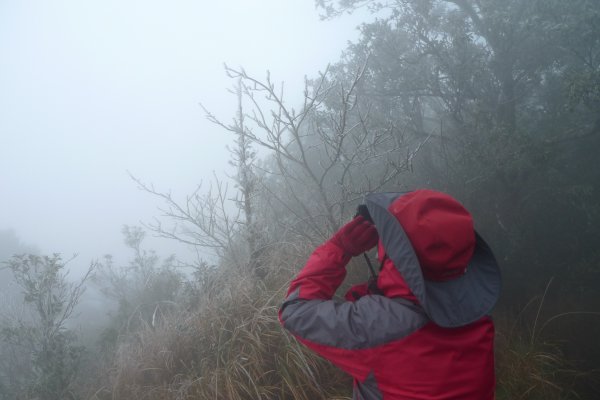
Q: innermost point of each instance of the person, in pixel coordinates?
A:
(424, 332)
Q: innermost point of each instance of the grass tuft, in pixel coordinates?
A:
(530, 366)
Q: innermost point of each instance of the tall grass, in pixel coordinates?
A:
(230, 346)
(530, 366)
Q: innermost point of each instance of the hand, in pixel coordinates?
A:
(356, 237)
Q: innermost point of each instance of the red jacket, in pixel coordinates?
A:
(387, 343)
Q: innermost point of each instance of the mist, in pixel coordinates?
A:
(167, 169)
(93, 91)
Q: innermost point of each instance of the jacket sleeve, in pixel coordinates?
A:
(345, 333)
(323, 273)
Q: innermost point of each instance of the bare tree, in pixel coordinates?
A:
(325, 155)
(203, 220)
(243, 159)
(207, 220)
(320, 160)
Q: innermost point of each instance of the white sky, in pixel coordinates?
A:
(90, 89)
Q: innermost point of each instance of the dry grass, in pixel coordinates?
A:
(529, 366)
(532, 371)
(230, 347)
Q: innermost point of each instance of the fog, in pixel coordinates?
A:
(92, 90)
(112, 113)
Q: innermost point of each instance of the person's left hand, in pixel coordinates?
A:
(356, 237)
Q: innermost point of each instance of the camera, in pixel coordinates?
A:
(364, 212)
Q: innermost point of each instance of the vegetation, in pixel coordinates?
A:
(494, 102)
(40, 353)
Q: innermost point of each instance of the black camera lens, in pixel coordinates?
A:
(364, 212)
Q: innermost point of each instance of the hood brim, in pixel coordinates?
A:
(450, 303)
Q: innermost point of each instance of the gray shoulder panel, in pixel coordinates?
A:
(368, 322)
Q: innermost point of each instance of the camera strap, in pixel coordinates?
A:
(372, 284)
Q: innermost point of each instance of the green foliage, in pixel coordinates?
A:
(143, 289)
(41, 335)
(10, 244)
(507, 93)
(510, 91)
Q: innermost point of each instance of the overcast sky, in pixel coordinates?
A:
(92, 89)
